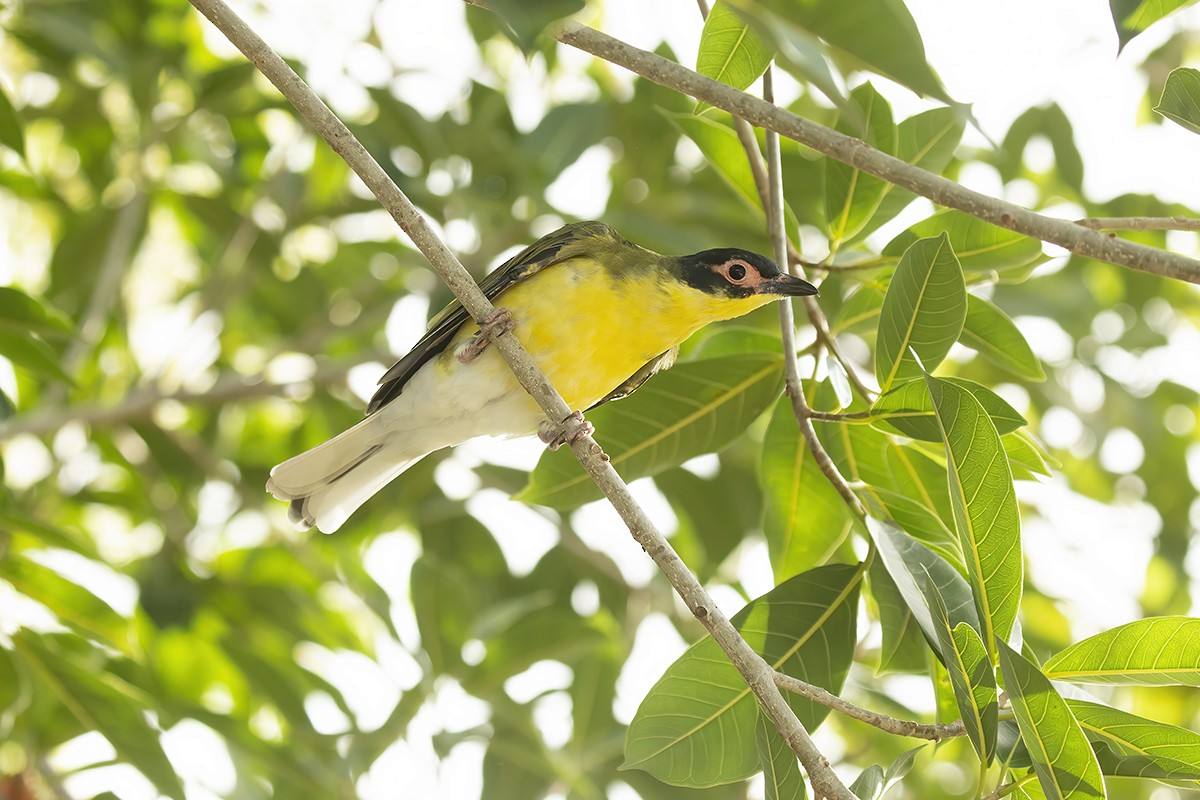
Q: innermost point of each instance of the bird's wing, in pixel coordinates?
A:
(634, 382)
(551, 249)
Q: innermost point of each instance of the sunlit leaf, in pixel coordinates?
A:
(985, 506)
(1180, 100)
(852, 196)
(1129, 745)
(991, 333)
(1062, 757)
(729, 51)
(923, 311)
(694, 408)
(1131, 17)
(971, 676)
(907, 408)
(979, 246)
(804, 627)
(1160, 651)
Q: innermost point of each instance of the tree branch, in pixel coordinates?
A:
(899, 727)
(1140, 223)
(1065, 233)
(754, 670)
(140, 404)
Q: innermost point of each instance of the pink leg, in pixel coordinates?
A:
(556, 438)
(498, 322)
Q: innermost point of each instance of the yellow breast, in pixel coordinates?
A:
(590, 330)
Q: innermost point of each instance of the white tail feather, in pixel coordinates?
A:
(329, 482)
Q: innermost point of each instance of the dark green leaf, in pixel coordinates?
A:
(695, 408)
(12, 133)
(30, 353)
(980, 246)
(528, 18)
(851, 196)
(971, 676)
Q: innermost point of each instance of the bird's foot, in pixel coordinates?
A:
(555, 436)
(498, 322)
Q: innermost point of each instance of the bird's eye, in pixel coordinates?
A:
(737, 272)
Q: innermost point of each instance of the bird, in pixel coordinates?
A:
(599, 314)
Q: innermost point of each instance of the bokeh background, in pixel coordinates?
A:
(219, 294)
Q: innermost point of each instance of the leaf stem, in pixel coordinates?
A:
(1177, 223)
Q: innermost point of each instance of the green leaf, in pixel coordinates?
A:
(912, 517)
(1131, 17)
(880, 33)
(912, 566)
(528, 18)
(1044, 121)
(851, 196)
(12, 134)
(1180, 100)
(861, 310)
(31, 353)
(991, 333)
(980, 246)
(1160, 651)
(806, 519)
(869, 783)
(22, 313)
(804, 627)
(724, 152)
(729, 51)
(908, 409)
(903, 647)
(101, 702)
(781, 769)
(1025, 458)
(926, 140)
(924, 310)
(796, 50)
(985, 506)
(1133, 746)
(695, 408)
(1062, 758)
(971, 677)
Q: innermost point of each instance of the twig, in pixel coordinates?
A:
(830, 416)
(899, 727)
(141, 403)
(1176, 223)
(1009, 788)
(787, 326)
(1076, 238)
(754, 670)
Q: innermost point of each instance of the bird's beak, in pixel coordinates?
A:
(787, 286)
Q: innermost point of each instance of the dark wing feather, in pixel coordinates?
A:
(551, 249)
(634, 382)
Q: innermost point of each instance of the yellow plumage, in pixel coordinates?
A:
(597, 313)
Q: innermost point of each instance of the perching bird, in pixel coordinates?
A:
(599, 314)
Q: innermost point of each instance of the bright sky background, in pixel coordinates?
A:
(1001, 57)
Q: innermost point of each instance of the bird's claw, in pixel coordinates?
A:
(555, 437)
(494, 324)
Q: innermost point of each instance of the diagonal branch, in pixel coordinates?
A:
(754, 670)
(858, 154)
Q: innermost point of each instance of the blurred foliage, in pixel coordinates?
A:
(190, 276)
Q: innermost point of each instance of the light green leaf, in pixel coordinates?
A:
(101, 702)
(781, 769)
(12, 134)
(991, 333)
(980, 246)
(724, 152)
(851, 196)
(971, 676)
(1062, 757)
(924, 310)
(806, 519)
(1131, 17)
(796, 50)
(869, 783)
(912, 566)
(729, 51)
(1025, 457)
(908, 409)
(1129, 745)
(31, 353)
(880, 33)
(695, 408)
(985, 506)
(1180, 100)
(1160, 651)
(804, 627)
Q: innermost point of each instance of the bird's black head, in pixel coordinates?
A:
(739, 274)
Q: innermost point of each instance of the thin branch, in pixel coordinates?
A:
(787, 326)
(141, 403)
(1076, 238)
(900, 727)
(830, 416)
(753, 669)
(1140, 223)
(1009, 788)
